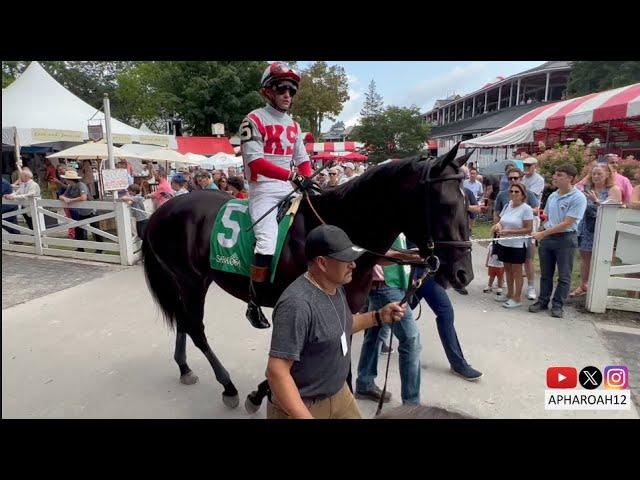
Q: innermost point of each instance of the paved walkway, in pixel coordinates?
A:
(99, 349)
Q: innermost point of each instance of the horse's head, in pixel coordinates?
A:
(443, 226)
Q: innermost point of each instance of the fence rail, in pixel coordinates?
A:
(115, 238)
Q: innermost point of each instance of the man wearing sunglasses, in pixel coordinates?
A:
(271, 142)
(514, 176)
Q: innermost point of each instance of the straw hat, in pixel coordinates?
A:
(71, 175)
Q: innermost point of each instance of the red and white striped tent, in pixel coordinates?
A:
(333, 147)
(611, 116)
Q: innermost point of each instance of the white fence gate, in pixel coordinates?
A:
(123, 247)
(624, 223)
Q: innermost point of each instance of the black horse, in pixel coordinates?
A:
(418, 197)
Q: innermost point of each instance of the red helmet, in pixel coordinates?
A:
(279, 71)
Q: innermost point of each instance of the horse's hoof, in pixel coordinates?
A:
(231, 401)
(189, 378)
(250, 407)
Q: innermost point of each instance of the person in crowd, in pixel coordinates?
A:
(621, 181)
(334, 176)
(599, 186)
(514, 176)
(360, 170)
(178, 183)
(237, 187)
(516, 219)
(88, 178)
(138, 210)
(558, 241)
(495, 270)
(474, 184)
(232, 171)
(533, 181)
(504, 179)
(322, 179)
(205, 181)
(7, 190)
(163, 192)
(491, 187)
(310, 354)
(27, 188)
(60, 182)
(223, 184)
(76, 192)
(473, 208)
(123, 164)
(635, 195)
(50, 178)
(349, 173)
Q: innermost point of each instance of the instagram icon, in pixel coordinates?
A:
(616, 377)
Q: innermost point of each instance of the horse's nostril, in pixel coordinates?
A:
(461, 276)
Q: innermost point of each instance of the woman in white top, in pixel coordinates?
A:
(516, 219)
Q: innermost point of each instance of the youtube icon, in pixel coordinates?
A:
(562, 377)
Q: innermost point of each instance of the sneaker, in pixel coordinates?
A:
(498, 290)
(500, 297)
(373, 394)
(468, 373)
(488, 289)
(557, 312)
(511, 303)
(531, 292)
(385, 350)
(536, 307)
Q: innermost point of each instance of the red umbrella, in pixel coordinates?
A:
(324, 156)
(355, 157)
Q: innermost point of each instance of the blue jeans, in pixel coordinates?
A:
(438, 300)
(406, 330)
(560, 250)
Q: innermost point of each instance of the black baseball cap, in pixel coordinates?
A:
(331, 241)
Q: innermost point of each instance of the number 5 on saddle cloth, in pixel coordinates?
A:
(232, 245)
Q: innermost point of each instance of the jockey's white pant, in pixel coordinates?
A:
(262, 197)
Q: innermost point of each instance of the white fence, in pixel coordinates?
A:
(624, 223)
(47, 237)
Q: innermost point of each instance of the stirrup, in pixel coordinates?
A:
(255, 316)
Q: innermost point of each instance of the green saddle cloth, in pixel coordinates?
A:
(232, 245)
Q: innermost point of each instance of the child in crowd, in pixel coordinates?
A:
(495, 269)
(138, 212)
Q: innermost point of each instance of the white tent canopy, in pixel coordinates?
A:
(44, 112)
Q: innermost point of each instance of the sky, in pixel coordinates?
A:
(417, 83)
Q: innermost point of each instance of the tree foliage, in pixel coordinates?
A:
(373, 103)
(594, 76)
(323, 91)
(394, 132)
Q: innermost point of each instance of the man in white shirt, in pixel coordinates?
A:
(473, 184)
(27, 188)
(532, 180)
(349, 172)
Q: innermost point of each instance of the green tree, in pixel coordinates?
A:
(200, 93)
(323, 91)
(593, 76)
(11, 70)
(394, 132)
(373, 103)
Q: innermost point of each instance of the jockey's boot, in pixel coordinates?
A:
(259, 276)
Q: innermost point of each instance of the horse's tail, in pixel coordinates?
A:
(162, 282)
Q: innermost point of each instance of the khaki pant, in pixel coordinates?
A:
(339, 406)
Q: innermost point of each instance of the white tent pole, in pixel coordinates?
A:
(107, 124)
(16, 146)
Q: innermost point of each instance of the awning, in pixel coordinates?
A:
(617, 110)
(330, 147)
(204, 145)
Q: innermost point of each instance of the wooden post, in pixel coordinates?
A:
(473, 107)
(518, 94)
(485, 101)
(546, 88)
(499, 96)
(37, 219)
(510, 94)
(125, 233)
(603, 241)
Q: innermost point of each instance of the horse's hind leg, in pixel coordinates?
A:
(187, 377)
(230, 394)
(254, 399)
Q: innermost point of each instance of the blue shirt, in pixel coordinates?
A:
(212, 186)
(571, 204)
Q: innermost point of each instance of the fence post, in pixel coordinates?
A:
(604, 238)
(38, 224)
(125, 233)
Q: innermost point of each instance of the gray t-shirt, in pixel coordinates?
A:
(307, 330)
(77, 190)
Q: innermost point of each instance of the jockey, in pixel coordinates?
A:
(271, 144)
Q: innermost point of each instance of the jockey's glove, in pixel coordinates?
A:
(302, 183)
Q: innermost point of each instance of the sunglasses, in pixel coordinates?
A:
(514, 191)
(333, 174)
(514, 178)
(281, 89)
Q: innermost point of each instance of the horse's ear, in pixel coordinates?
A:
(460, 161)
(450, 156)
